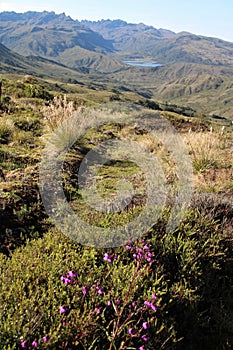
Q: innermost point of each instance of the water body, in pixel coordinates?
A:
(143, 64)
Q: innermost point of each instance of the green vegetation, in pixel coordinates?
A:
(166, 290)
(189, 278)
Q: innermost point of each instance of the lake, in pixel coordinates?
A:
(142, 64)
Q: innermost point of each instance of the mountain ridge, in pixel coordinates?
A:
(59, 36)
(196, 70)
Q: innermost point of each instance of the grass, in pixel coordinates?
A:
(204, 148)
(184, 276)
(211, 153)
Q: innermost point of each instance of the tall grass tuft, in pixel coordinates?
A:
(59, 110)
(204, 149)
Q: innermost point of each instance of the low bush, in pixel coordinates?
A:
(6, 130)
(164, 291)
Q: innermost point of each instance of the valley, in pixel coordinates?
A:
(193, 70)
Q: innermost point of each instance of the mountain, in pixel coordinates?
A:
(124, 35)
(9, 58)
(77, 44)
(14, 63)
(52, 36)
(48, 34)
(164, 46)
(196, 70)
(206, 88)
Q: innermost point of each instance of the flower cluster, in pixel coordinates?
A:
(109, 258)
(141, 253)
(135, 314)
(35, 343)
(140, 330)
(69, 277)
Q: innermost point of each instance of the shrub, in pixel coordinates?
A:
(6, 99)
(28, 122)
(37, 91)
(166, 291)
(82, 310)
(6, 130)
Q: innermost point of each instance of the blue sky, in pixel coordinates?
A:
(207, 17)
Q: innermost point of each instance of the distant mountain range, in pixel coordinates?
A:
(71, 42)
(162, 45)
(196, 69)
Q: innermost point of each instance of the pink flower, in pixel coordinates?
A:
(35, 344)
(64, 323)
(84, 290)
(133, 304)
(63, 309)
(109, 303)
(142, 348)
(147, 303)
(128, 246)
(146, 247)
(154, 297)
(99, 291)
(144, 337)
(97, 310)
(72, 274)
(46, 339)
(107, 257)
(23, 345)
(151, 305)
(146, 325)
(118, 301)
(131, 331)
(67, 281)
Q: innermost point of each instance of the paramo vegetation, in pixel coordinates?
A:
(164, 290)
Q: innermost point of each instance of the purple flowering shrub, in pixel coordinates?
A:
(72, 297)
(118, 314)
(164, 291)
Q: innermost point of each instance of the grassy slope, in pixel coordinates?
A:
(192, 271)
(22, 123)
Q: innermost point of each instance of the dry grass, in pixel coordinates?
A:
(216, 181)
(211, 154)
(59, 110)
(204, 148)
